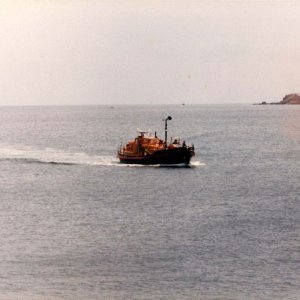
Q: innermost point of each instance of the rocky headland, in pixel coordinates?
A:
(288, 99)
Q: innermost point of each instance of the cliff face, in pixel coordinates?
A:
(291, 99)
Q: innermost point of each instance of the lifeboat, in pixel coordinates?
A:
(151, 150)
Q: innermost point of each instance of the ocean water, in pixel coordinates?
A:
(76, 224)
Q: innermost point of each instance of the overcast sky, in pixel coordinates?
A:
(148, 52)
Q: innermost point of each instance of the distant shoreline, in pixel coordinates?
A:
(290, 99)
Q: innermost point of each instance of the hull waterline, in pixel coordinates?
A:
(161, 157)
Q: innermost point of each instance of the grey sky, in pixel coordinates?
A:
(142, 52)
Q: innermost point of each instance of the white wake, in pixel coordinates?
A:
(54, 156)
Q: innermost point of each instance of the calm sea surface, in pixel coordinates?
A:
(75, 224)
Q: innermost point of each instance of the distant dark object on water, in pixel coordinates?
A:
(288, 99)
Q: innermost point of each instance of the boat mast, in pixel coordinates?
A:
(169, 118)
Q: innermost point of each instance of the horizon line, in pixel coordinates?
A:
(125, 104)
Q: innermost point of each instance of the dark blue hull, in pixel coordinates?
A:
(181, 155)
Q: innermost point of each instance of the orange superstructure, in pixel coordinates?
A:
(143, 144)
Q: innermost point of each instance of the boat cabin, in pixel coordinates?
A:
(143, 144)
